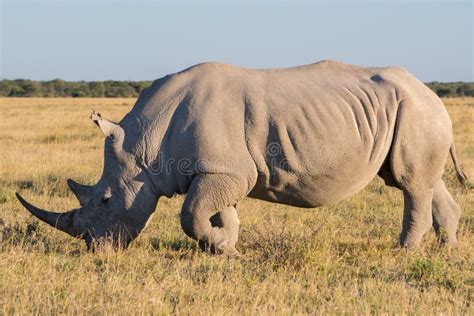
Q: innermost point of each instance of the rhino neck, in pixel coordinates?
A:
(152, 160)
(147, 128)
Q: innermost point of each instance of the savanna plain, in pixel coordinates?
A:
(335, 259)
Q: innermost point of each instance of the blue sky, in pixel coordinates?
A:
(144, 40)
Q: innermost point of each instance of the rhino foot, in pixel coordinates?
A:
(228, 251)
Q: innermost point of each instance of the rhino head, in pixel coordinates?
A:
(115, 209)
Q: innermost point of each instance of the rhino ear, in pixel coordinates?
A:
(108, 128)
(81, 191)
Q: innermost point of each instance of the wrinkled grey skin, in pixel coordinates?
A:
(304, 136)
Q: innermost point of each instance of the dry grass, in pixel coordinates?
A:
(340, 258)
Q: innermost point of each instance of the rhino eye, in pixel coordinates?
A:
(105, 199)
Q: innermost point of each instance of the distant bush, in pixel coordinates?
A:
(75, 89)
(131, 89)
(452, 89)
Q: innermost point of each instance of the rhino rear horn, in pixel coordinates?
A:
(62, 221)
(108, 128)
(82, 192)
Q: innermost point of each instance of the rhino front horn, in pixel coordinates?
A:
(62, 221)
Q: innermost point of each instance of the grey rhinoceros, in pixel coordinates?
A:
(305, 136)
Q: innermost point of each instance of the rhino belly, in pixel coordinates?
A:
(320, 173)
(310, 190)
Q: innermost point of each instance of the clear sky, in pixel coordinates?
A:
(144, 40)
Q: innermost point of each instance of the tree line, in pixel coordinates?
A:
(75, 89)
(452, 89)
(126, 89)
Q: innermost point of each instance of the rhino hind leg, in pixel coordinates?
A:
(421, 145)
(201, 220)
(446, 214)
(417, 217)
(445, 211)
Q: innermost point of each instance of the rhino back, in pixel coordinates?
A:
(303, 136)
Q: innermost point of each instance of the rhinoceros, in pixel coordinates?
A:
(305, 136)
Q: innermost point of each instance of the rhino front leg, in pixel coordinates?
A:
(200, 217)
(229, 220)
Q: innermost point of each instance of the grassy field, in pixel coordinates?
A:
(341, 258)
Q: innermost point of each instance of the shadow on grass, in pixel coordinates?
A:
(158, 244)
(364, 246)
(28, 236)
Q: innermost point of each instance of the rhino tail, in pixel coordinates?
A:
(459, 173)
